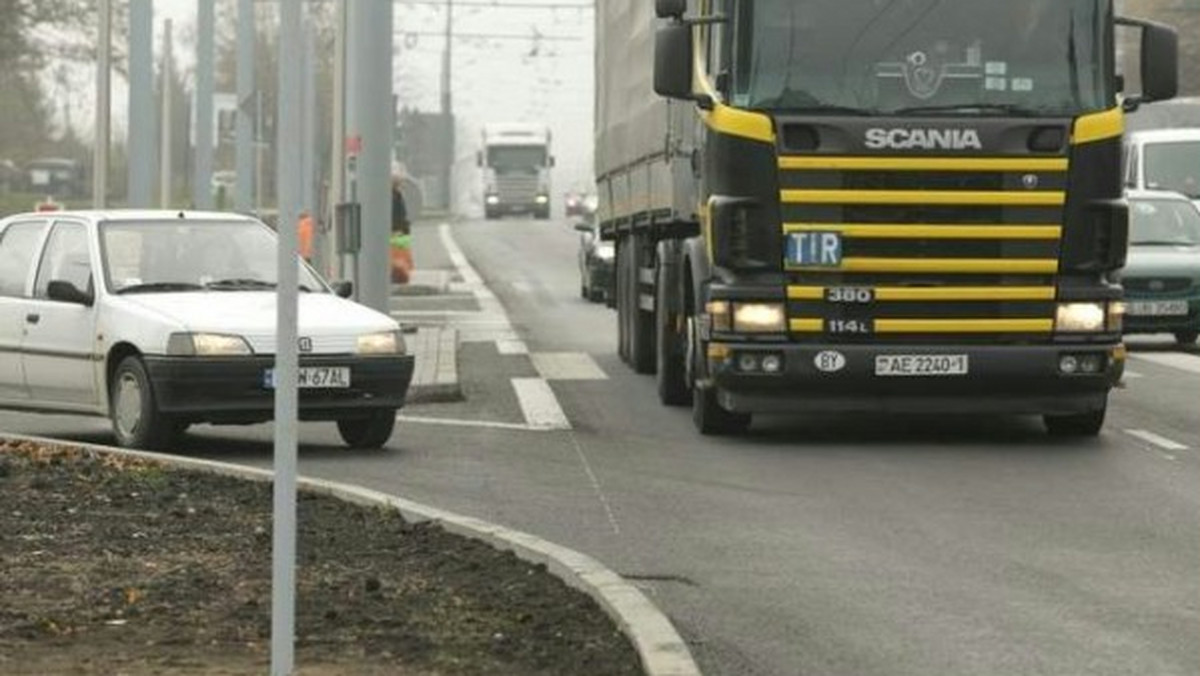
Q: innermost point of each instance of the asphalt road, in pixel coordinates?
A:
(855, 546)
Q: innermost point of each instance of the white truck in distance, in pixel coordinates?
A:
(516, 162)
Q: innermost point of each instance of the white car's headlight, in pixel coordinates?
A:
(207, 345)
(1080, 318)
(605, 251)
(384, 342)
(759, 318)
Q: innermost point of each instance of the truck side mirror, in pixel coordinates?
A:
(1159, 59)
(670, 9)
(673, 61)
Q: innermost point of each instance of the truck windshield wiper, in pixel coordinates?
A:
(159, 287)
(981, 108)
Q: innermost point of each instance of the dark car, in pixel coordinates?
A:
(1162, 276)
(595, 262)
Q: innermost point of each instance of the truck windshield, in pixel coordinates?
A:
(921, 57)
(516, 158)
(1173, 166)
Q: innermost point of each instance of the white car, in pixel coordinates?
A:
(159, 320)
(1164, 159)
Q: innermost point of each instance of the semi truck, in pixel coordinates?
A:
(516, 163)
(911, 207)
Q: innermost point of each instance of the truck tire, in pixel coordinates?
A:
(1076, 425)
(641, 322)
(709, 417)
(671, 347)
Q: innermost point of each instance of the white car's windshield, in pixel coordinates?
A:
(1174, 166)
(1163, 223)
(147, 256)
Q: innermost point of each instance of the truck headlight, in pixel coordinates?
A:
(1116, 316)
(759, 318)
(1080, 318)
(542, 199)
(384, 342)
(207, 345)
(492, 199)
(605, 251)
(719, 316)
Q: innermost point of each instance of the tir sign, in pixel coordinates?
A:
(815, 249)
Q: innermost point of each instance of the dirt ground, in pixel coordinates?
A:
(111, 566)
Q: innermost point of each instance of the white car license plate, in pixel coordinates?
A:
(315, 378)
(1158, 308)
(921, 365)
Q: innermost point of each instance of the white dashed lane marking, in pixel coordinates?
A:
(1157, 440)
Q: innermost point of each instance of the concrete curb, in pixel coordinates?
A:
(662, 651)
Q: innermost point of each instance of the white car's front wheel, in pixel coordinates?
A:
(372, 431)
(136, 420)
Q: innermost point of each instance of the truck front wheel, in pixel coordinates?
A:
(709, 417)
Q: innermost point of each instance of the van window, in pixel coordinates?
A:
(18, 244)
(1173, 165)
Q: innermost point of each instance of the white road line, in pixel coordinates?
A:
(1178, 360)
(512, 347)
(587, 467)
(567, 366)
(1132, 374)
(539, 405)
(458, 422)
(1157, 440)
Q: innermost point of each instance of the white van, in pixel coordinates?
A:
(1164, 159)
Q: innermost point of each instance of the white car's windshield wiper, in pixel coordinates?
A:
(239, 284)
(159, 287)
(980, 108)
(246, 284)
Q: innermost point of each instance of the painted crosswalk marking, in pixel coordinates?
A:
(539, 405)
(567, 366)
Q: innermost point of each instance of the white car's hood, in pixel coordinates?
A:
(332, 323)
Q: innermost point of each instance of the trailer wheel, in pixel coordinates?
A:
(641, 322)
(671, 346)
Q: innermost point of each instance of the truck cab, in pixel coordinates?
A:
(515, 160)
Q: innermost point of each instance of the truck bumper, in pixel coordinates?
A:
(1000, 379)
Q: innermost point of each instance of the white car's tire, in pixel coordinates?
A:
(372, 431)
(136, 420)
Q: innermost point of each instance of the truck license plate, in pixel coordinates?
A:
(1158, 308)
(921, 365)
(815, 249)
(315, 378)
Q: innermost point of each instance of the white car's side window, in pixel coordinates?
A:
(18, 245)
(65, 259)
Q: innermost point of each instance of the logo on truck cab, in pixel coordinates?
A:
(923, 139)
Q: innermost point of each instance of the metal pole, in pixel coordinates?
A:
(244, 162)
(337, 155)
(288, 188)
(103, 108)
(370, 116)
(166, 123)
(140, 138)
(202, 193)
(447, 107)
(309, 162)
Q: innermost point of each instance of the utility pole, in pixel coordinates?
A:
(140, 138)
(244, 162)
(288, 190)
(370, 97)
(166, 123)
(311, 156)
(202, 193)
(337, 154)
(447, 107)
(103, 108)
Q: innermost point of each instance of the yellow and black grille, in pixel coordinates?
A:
(930, 248)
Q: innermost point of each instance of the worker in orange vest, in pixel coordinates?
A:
(305, 232)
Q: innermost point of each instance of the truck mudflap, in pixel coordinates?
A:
(814, 378)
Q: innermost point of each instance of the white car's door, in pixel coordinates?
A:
(60, 348)
(19, 243)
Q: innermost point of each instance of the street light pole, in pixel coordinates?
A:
(103, 108)
(165, 187)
